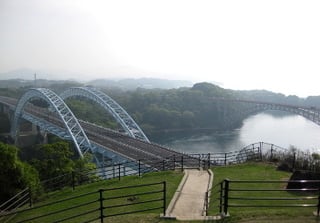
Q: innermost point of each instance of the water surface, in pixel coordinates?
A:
(279, 128)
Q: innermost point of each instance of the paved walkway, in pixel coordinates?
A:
(189, 201)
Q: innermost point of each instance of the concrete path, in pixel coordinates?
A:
(189, 201)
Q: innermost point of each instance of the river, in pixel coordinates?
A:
(280, 128)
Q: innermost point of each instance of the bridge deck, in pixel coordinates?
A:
(123, 145)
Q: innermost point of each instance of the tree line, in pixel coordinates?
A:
(159, 110)
(27, 167)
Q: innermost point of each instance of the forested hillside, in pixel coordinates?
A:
(159, 110)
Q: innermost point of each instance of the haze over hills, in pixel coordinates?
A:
(25, 78)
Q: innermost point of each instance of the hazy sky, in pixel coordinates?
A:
(244, 44)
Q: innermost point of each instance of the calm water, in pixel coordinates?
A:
(279, 128)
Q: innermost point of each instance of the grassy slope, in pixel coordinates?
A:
(172, 178)
(249, 171)
(260, 171)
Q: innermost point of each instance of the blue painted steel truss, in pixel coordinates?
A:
(120, 115)
(72, 129)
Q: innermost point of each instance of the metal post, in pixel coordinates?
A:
(101, 205)
(182, 163)
(209, 160)
(139, 167)
(271, 153)
(207, 202)
(174, 162)
(124, 171)
(119, 168)
(163, 165)
(221, 197)
(226, 196)
(164, 197)
(261, 144)
(225, 159)
(294, 160)
(73, 180)
(318, 209)
(113, 171)
(30, 197)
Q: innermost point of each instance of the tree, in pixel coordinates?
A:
(56, 159)
(15, 175)
(52, 160)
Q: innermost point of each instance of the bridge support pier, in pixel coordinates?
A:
(42, 135)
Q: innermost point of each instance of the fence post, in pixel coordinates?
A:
(139, 166)
(113, 171)
(124, 171)
(226, 196)
(225, 159)
(209, 160)
(73, 180)
(261, 144)
(294, 161)
(30, 196)
(164, 197)
(174, 161)
(182, 163)
(271, 152)
(207, 202)
(119, 172)
(318, 208)
(163, 165)
(101, 205)
(221, 197)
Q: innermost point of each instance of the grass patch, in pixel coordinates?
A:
(172, 178)
(260, 171)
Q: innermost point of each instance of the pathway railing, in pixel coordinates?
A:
(235, 194)
(291, 159)
(95, 206)
(261, 151)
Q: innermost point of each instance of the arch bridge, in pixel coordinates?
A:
(105, 144)
(111, 106)
(253, 107)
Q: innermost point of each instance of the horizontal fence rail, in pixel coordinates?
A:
(147, 197)
(95, 206)
(235, 194)
(261, 151)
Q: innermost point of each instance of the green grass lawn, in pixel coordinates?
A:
(260, 171)
(172, 178)
(248, 171)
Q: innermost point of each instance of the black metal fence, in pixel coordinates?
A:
(95, 206)
(256, 151)
(234, 194)
(19, 200)
(291, 159)
(261, 151)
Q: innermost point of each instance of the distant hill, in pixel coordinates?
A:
(25, 77)
(147, 83)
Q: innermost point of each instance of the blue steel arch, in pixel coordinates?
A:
(70, 122)
(120, 115)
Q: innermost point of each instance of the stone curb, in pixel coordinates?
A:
(176, 196)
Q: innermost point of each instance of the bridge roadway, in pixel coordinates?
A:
(132, 149)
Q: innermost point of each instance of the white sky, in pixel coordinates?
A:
(244, 44)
